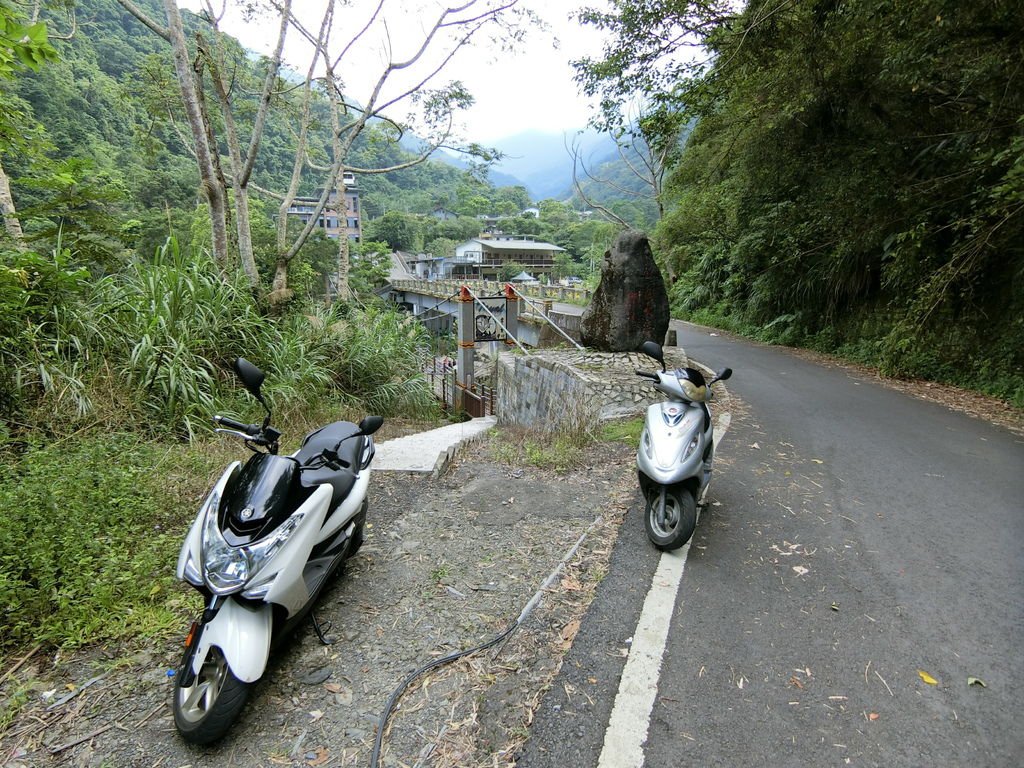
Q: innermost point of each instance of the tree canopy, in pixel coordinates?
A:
(855, 177)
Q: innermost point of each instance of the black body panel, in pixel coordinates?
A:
(261, 497)
(342, 437)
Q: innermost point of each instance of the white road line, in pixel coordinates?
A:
(638, 687)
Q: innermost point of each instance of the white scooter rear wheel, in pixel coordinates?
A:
(674, 528)
(205, 710)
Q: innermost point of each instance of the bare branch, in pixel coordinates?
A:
(268, 87)
(358, 35)
(137, 12)
(576, 160)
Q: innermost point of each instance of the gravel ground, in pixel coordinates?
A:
(448, 563)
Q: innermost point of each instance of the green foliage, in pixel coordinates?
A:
(35, 291)
(87, 541)
(379, 362)
(401, 231)
(854, 179)
(150, 346)
(22, 45)
(371, 264)
(510, 269)
(169, 326)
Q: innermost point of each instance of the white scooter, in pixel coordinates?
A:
(674, 460)
(263, 546)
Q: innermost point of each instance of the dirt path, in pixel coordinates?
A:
(448, 563)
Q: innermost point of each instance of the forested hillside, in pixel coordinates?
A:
(108, 126)
(855, 180)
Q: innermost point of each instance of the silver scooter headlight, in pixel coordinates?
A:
(647, 444)
(690, 448)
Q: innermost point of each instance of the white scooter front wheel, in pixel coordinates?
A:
(206, 709)
(226, 655)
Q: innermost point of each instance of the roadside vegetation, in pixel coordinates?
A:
(562, 447)
(854, 178)
(106, 447)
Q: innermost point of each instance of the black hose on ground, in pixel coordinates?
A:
(396, 694)
(527, 609)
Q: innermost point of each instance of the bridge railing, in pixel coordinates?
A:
(442, 288)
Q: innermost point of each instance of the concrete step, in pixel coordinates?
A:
(428, 452)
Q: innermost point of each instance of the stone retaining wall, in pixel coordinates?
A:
(556, 388)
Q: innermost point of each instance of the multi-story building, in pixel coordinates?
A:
(332, 221)
(485, 257)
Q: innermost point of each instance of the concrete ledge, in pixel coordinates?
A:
(429, 453)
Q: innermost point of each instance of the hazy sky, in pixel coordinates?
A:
(531, 88)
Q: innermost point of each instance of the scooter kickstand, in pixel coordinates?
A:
(321, 631)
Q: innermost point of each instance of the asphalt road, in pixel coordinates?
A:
(862, 559)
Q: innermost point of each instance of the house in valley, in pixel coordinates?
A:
(481, 258)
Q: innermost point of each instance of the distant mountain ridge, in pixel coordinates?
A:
(544, 162)
(541, 161)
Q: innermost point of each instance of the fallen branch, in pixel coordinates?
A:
(152, 712)
(21, 661)
(58, 749)
(68, 697)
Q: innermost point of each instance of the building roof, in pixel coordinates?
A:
(516, 245)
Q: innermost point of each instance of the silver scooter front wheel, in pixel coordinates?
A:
(204, 710)
(670, 515)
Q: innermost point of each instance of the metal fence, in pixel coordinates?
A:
(481, 400)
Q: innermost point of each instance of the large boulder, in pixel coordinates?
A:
(630, 305)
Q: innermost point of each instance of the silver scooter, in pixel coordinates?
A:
(676, 452)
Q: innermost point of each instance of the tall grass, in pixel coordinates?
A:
(150, 347)
(172, 324)
(380, 364)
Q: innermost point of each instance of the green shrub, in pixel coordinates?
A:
(34, 290)
(380, 362)
(87, 542)
(171, 325)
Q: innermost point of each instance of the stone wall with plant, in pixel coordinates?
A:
(558, 389)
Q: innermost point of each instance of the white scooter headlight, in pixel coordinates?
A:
(226, 568)
(189, 567)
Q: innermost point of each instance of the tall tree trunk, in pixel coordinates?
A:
(206, 158)
(241, 190)
(344, 291)
(242, 167)
(279, 290)
(9, 212)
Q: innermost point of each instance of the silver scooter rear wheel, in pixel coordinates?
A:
(671, 526)
(204, 710)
